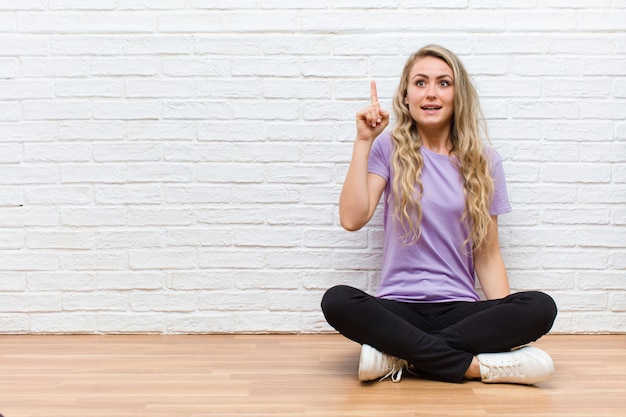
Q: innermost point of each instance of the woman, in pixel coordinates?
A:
(443, 193)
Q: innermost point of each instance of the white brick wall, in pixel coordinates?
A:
(174, 166)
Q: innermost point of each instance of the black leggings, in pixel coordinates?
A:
(439, 339)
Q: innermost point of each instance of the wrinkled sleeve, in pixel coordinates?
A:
(380, 157)
(500, 203)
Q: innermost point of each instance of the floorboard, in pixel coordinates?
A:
(281, 375)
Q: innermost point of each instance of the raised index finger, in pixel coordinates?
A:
(373, 92)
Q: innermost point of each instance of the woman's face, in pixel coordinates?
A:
(430, 93)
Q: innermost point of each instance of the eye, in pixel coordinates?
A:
(444, 83)
(420, 83)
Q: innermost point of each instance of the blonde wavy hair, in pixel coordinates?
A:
(466, 135)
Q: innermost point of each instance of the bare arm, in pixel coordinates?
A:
(489, 265)
(361, 190)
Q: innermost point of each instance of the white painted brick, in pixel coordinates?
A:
(544, 109)
(140, 259)
(11, 197)
(231, 215)
(163, 301)
(92, 216)
(295, 215)
(89, 88)
(132, 323)
(150, 4)
(74, 152)
(196, 110)
(117, 152)
(233, 301)
(356, 260)
(14, 323)
(30, 302)
(21, 5)
(575, 216)
(574, 259)
(95, 301)
(93, 260)
(203, 280)
(541, 280)
(57, 195)
(323, 238)
(230, 21)
(271, 237)
(298, 174)
(129, 238)
(20, 89)
(14, 153)
(79, 5)
(93, 173)
(249, 280)
(12, 281)
(269, 67)
(8, 68)
(139, 88)
(603, 152)
(175, 167)
(302, 89)
(324, 279)
(90, 130)
(268, 322)
(576, 173)
(617, 301)
(129, 280)
(313, 194)
(200, 323)
(600, 280)
(43, 239)
(126, 110)
(33, 22)
(230, 173)
(70, 322)
(294, 300)
(160, 172)
(123, 66)
(232, 258)
(19, 216)
(23, 44)
(600, 194)
(156, 130)
(160, 216)
(599, 323)
(197, 237)
(299, 259)
(603, 110)
(85, 45)
(239, 131)
(602, 21)
(609, 236)
(28, 174)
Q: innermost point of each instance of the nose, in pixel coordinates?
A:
(431, 92)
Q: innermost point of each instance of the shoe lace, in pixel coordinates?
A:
(506, 370)
(396, 371)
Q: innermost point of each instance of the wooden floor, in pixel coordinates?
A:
(281, 375)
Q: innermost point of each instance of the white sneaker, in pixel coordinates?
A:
(374, 365)
(527, 365)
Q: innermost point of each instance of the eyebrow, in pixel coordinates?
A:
(427, 77)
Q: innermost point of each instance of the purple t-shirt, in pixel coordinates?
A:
(438, 267)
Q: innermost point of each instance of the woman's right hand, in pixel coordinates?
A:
(371, 120)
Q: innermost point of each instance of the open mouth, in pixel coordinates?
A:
(431, 107)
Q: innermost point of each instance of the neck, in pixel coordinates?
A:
(437, 141)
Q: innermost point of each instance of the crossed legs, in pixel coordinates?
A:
(441, 340)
